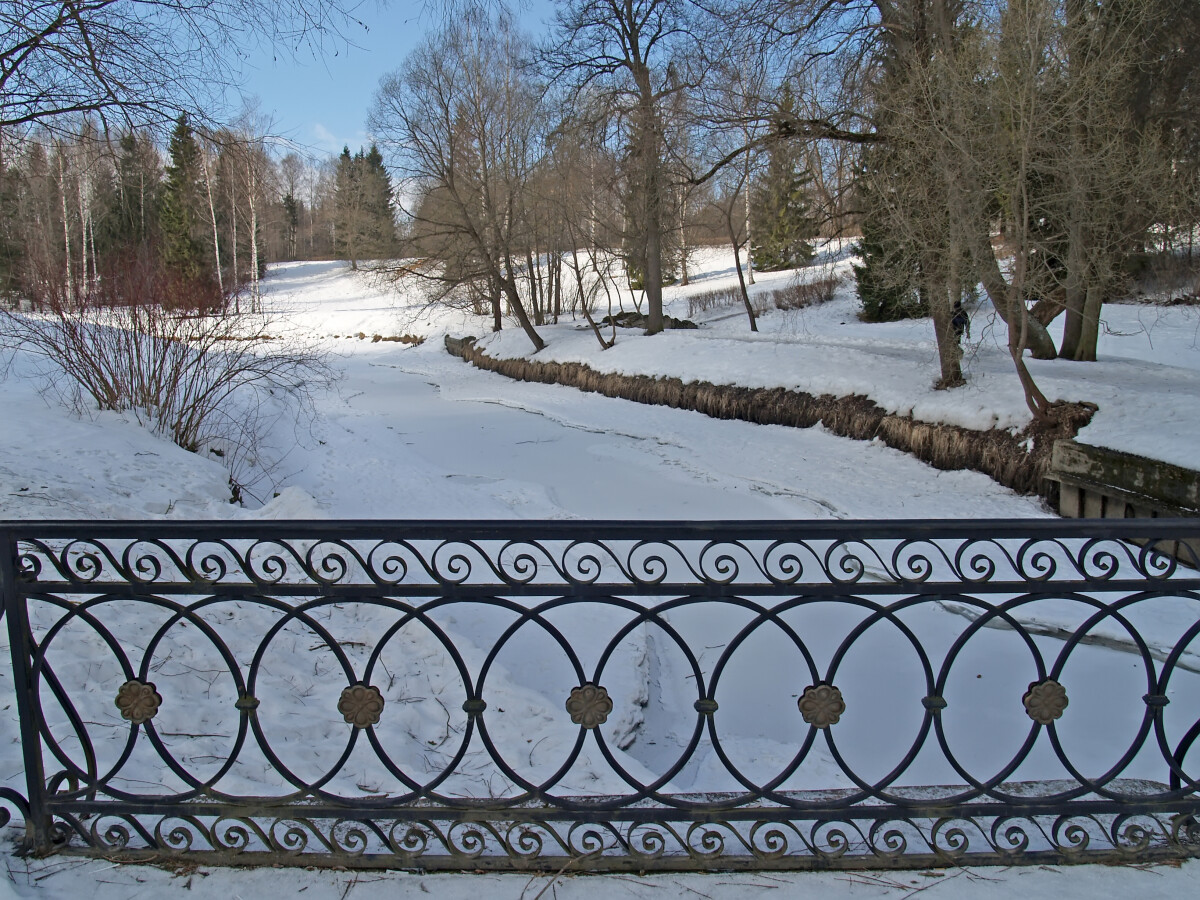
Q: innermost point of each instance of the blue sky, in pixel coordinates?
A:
(321, 103)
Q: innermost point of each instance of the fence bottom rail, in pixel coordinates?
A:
(768, 841)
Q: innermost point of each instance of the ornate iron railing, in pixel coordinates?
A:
(609, 696)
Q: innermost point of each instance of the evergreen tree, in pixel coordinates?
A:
(780, 221)
(135, 195)
(347, 209)
(291, 223)
(378, 202)
(183, 252)
(888, 277)
(364, 223)
(12, 255)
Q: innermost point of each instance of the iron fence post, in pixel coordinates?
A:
(37, 820)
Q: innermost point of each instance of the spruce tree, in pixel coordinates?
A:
(135, 195)
(781, 223)
(887, 277)
(291, 222)
(364, 225)
(378, 197)
(347, 209)
(182, 252)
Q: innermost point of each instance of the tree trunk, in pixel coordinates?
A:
(737, 262)
(233, 244)
(577, 271)
(494, 298)
(749, 258)
(255, 297)
(95, 258)
(536, 298)
(1076, 284)
(647, 147)
(653, 275)
(80, 190)
(62, 190)
(1039, 342)
(1034, 398)
(509, 285)
(1090, 335)
(941, 310)
(556, 277)
(212, 212)
(683, 247)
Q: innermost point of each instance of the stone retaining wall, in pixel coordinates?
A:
(1098, 483)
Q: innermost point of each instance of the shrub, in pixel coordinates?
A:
(718, 299)
(725, 298)
(202, 379)
(807, 293)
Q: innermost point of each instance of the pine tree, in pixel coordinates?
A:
(182, 251)
(781, 222)
(12, 254)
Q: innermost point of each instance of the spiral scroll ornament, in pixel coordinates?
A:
(589, 705)
(138, 701)
(475, 793)
(361, 705)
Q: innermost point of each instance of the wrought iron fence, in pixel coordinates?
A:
(606, 696)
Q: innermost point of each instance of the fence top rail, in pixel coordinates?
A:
(608, 529)
(540, 557)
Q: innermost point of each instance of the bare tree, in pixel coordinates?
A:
(141, 60)
(461, 120)
(582, 195)
(624, 61)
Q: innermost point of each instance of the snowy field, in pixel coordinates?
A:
(410, 432)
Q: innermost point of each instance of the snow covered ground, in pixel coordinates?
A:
(1145, 382)
(410, 432)
(72, 879)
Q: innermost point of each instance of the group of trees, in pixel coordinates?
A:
(118, 166)
(1038, 148)
(210, 210)
(122, 217)
(531, 169)
(1057, 134)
